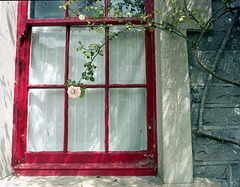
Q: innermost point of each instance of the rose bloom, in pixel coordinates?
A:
(81, 17)
(74, 92)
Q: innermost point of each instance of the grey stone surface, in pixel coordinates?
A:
(222, 117)
(212, 158)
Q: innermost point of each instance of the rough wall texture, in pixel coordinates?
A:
(214, 159)
(8, 16)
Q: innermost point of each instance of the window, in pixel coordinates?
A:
(112, 130)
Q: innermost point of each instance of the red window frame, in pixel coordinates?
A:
(106, 163)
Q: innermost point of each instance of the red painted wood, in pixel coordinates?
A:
(106, 8)
(45, 86)
(88, 160)
(87, 172)
(54, 86)
(65, 145)
(66, 11)
(19, 89)
(16, 88)
(76, 21)
(85, 157)
(107, 92)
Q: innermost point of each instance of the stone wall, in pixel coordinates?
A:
(214, 159)
(8, 17)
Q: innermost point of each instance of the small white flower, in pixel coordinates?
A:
(181, 18)
(81, 17)
(74, 92)
(129, 14)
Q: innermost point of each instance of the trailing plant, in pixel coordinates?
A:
(93, 12)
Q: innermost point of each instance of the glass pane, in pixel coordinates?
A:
(127, 119)
(87, 8)
(127, 58)
(45, 120)
(86, 122)
(46, 9)
(77, 59)
(136, 8)
(47, 63)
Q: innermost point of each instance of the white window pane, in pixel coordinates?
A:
(45, 120)
(77, 59)
(127, 58)
(47, 64)
(86, 122)
(127, 119)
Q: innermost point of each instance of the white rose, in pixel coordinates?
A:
(81, 17)
(74, 92)
(129, 14)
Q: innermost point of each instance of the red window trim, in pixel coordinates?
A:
(46, 163)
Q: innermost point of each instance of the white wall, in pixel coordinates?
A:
(8, 17)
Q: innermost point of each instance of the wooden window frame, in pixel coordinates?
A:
(121, 163)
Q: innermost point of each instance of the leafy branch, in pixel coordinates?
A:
(94, 14)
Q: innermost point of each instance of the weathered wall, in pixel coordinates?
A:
(212, 158)
(8, 17)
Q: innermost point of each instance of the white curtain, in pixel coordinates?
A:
(77, 59)
(47, 64)
(86, 117)
(45, 120)
(46, 106)
(127, 57)
(86, 121)
(127, 119)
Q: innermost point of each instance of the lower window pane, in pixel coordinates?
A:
(86, 121)
(127, 119)
(45, 120)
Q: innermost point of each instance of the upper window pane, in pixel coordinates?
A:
(77, 59)
(134, 7)
(46, 9)
(47, 61)
(87, 8)
(127, 57)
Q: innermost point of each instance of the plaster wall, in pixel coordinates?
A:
(173, 100)
(8, 17)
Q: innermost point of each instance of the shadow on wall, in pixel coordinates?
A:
(7, 53)
(6, 101)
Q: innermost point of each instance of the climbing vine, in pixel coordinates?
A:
(93, 12)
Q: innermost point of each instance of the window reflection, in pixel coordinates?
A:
(46, 9)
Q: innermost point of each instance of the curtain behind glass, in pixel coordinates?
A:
(77, 59)
(86, 121)
(127, 119)
(45, 120)
(127, 57)
(47, 61)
